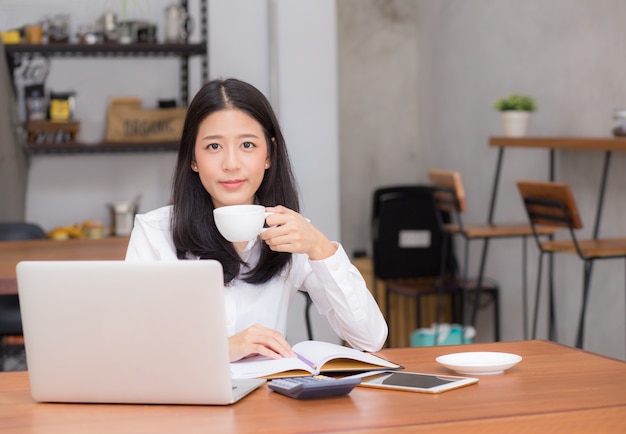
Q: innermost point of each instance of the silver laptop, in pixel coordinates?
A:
(127, 332)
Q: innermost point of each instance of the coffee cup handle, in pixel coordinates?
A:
(266, 215)
(270, 213)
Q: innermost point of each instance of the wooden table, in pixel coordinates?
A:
(603, 144)
(553, 388)
(12, 252)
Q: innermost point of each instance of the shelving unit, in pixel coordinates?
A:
(107, 49)
(102, 147)
(18, 53)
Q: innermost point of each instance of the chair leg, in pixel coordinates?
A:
(552, 334)
(387, 316)
(307, 315)
(464, 290)
(479, 282)
(441, 283)
(537, 295)
(525, 285)
(418, 312)
(496, 314)
(583, 308)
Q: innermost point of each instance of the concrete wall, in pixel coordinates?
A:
(428, 104)
(378, 106)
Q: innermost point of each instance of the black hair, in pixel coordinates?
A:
(193, 227)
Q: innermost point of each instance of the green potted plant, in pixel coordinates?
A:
(516, 111)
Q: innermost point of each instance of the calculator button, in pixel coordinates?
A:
(285, 384)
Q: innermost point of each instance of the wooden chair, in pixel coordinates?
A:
(553, 204)
(450, 198)
(407, 252)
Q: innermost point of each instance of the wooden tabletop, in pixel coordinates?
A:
(578, 143)
(553, 387)
(12, 252)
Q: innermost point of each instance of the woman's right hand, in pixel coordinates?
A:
(261, 340)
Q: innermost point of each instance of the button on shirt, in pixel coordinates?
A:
(334, 284)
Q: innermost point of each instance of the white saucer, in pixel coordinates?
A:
(479, 363)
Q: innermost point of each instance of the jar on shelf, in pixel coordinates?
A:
(58, 27)
(619, 122)
(178, 24)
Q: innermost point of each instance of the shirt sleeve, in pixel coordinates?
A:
(151, 237)
(339, 292)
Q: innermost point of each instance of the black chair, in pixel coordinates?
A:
(10, 318)
(408, 250)
(14, 231)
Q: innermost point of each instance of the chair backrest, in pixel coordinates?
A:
(20, 231)
(449, 191)
(406, 235)
(550, 203)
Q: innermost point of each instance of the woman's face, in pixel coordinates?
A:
(231, 156)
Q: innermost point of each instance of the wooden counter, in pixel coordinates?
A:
(12, 252)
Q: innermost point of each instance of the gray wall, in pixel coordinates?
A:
(418, 79)
(378, 77)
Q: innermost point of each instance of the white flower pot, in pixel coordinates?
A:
(515, 123)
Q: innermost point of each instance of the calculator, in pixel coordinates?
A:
(317, 386)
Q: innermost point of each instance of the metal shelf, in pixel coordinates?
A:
(110, 49)
(101, 148)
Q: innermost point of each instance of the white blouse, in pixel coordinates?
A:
(334, 284)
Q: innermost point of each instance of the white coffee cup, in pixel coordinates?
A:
(240, 222)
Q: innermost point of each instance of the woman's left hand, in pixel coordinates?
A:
(290, 232)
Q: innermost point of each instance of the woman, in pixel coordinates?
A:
(232, 152)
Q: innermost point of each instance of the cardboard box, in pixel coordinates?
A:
(128, 122)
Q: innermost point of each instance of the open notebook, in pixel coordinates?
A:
(312, 358)
(127, 332)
